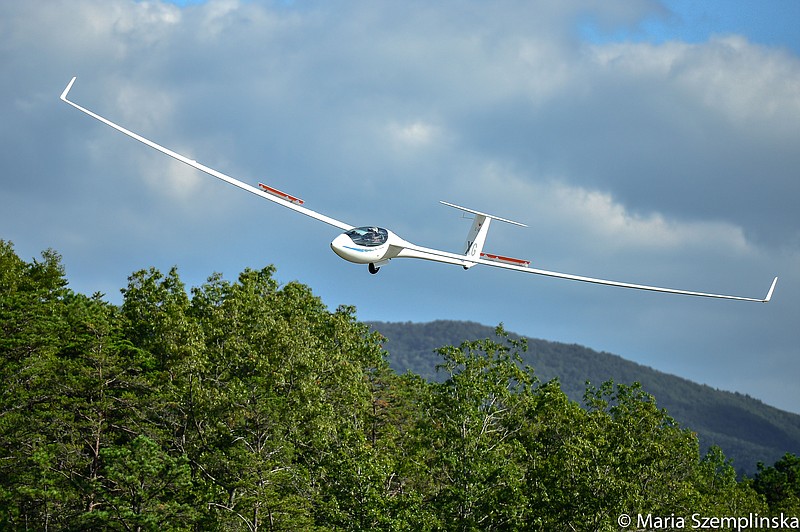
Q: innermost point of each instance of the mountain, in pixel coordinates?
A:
(747, 430)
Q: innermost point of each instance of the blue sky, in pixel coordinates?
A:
(643, 141)
(771, 23)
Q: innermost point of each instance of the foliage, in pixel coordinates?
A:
(748, 430)
(248, 405)
(780, 484)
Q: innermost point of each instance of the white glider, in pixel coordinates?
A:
(376, 246)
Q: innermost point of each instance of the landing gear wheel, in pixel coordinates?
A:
(373, 269)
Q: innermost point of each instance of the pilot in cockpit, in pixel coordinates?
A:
(373, 236)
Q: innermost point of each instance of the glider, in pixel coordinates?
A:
(376, 246)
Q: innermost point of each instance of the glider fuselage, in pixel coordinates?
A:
(364, 245)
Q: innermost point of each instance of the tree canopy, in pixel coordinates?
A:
(249, 405)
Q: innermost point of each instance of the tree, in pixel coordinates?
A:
(32, 329)
(718, 491)
(780, 484)
(558, 457)
(285, 397)
(155, 308)
(142, 488)
(467, 438)
(619, 454)
(104, 392)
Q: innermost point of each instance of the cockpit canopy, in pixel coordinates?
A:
(368, 236)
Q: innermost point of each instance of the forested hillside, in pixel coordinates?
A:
(248, 405)
(748, 430)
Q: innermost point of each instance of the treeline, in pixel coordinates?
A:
(249, 405)
(748, 430)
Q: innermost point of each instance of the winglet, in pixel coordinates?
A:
(771, 289)
(69, 86)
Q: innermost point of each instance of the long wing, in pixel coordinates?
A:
(461, 260)
(281, 199)
(629, 285)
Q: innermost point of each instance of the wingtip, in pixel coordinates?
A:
(771, 290)
(69, 86)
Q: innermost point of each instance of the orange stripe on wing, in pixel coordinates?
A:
(507, 260)
(280, 194)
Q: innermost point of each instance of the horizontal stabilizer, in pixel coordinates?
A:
(479, 213)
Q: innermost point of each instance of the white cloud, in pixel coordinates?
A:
(413, 135)
(596, 222)
(174, 182)
(742, 81)
(141, 106)
(599, 216)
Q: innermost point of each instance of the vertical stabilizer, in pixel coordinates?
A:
(477, 236)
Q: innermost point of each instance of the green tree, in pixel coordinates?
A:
(719, 492)
(558, 455)
(156, 308)
(104, 393)
(77, 387)
(285, 396)
(780, 484)
(142, 488)
(32, 328)
(468, 437)
(647, 458)
(619, 454)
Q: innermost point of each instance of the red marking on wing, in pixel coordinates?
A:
(283, 195)
(507, 260)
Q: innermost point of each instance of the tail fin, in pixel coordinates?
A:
(476, 237)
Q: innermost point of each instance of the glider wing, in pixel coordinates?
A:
(474, 255)
(519, 266)
(571, 277)
(268, 193)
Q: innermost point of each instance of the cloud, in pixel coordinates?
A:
(688, 130)
(604, 218)
(599, 222)
(745, 83)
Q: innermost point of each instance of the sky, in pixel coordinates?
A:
(642, 141)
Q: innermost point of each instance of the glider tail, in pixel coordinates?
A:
(473, 246)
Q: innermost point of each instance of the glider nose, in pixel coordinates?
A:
(344, 246)
(338, 245)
